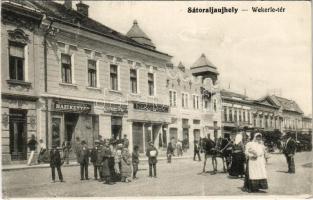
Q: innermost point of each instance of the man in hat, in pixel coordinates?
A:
(83, 159)
(152, 154)
(55, 162)
(96, 159)
(289, 150)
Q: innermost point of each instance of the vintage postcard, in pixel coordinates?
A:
(156, 99)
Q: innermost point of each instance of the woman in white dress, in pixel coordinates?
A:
(256, 177)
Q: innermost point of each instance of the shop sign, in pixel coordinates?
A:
(115, 108)
(71, 107)
(151, 107)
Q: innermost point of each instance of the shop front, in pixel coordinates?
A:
(19, 123)
(149, 123)
(71, 119)
(113, 121)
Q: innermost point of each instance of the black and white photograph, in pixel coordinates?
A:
(156, 99)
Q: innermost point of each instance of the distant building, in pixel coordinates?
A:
(237, 112)
(195, 102)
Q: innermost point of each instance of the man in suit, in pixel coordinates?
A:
(289, 151)
(196, 151)
(152, 154)
(55, 162)
(83, 159)
(96, 159)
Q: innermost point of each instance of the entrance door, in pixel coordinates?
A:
(70, 121)
(18, 134)
(116, 123)
(196, 135)
(173, 135)
(138, 136)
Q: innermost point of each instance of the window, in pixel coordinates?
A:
(266, 122)
(214, 106)
(206, 104)
(235, 115)
(16, 61)
(133, 80)
(196, 121)
(66, 68)
(184, 100)
(195, 101)
(240, 117)
(230, 114)
(173, 95)
(151, 84)
(225, 114)
(92, 73)
(248, 117)
(113, 77)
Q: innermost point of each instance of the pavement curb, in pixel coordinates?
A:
(72, 164)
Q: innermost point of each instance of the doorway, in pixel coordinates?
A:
(70, 121)
(116, 126)
(18, 134)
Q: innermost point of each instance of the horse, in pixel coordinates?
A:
(216, 150)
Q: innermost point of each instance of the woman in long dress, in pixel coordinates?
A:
(237, 158)
(256, 177)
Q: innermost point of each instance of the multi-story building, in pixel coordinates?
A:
(65, 75)
(237, 112)
(288, 115)
(268, 113)
(19, 86)
(195, 103)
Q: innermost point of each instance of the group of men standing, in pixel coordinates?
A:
(111, 160)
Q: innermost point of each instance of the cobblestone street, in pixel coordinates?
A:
(182, 177)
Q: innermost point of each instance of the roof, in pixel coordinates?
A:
(181, 66)
(286, 104)
(138, 35)
(72, 17)
(230, 94)
(203, 62)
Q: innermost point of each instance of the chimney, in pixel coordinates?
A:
(82, 8)
(68, 4)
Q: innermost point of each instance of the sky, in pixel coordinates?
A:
(258, 52)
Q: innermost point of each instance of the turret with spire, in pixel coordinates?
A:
(203, 67)
(139, 36)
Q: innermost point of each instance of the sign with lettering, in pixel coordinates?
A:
(115, 108)
(151, 107)
(71, 107)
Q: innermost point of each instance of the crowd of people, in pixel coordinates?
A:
(243, 157)
(246, 158)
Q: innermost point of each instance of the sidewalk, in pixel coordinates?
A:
(71, 164)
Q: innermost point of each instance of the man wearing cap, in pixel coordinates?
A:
(289, 150)
(83, 159)
(96, 159)
(55, 162)
(152, 154)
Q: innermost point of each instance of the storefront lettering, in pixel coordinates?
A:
(115, 108)
(71, 107)
(151, 107)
